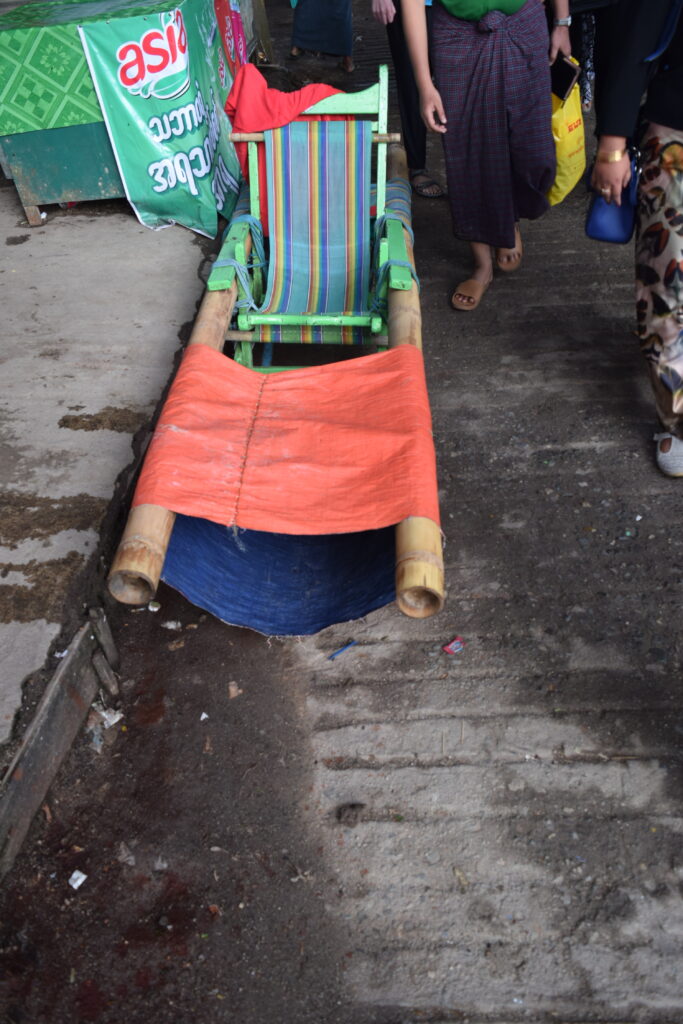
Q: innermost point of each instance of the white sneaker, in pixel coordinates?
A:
(670, 462)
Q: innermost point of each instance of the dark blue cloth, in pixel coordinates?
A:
(323, 26)
(279, 584)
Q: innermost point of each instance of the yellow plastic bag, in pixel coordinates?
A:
(570, 145)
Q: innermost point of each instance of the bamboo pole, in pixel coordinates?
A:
(420, 586)
(404, 318)
(377, 137)
(139, 559)
(420, 590)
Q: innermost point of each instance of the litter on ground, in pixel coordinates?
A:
(455, 646)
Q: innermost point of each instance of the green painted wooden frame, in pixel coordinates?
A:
(370, 103)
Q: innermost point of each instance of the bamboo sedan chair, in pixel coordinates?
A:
(165, 535)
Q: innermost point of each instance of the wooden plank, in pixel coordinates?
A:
(104, 635)
(222, 278)
(33, 216)
(367, 101)
(382, 124)
(309, 319)
(57, 720)
(399, 277)
(105, 674)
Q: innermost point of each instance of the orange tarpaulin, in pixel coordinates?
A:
(326, 449)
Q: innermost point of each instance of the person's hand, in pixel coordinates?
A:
(431, 108)
(559, 43)
(383, 11)
(609, 180)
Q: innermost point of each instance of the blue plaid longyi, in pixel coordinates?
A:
(494, 81)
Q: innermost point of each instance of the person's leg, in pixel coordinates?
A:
(412, 125)
(469, 68)
(659, 286)
(530, 140)
(299, 28)
(323, 28)
(510, 259)
(468, 294)
(344, 15)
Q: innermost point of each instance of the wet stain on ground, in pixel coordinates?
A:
(90, 1000)
(30, 516)
(124, 421)
(16, 239)
(149, 707)
(349, 814)
(43, 597)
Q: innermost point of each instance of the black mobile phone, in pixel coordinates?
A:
(563, 75)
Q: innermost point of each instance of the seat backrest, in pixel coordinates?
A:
(319, 211)
(371, 105)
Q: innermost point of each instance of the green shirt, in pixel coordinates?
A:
(473, 10)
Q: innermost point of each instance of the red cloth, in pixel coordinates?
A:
(254, 107)
(324, 449)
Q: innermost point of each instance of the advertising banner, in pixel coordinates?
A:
(162, 81)
(248, 27)
(232, 33)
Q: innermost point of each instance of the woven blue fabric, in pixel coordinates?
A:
(279, 584)
(398, 200)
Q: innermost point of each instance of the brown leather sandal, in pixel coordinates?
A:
(470, 289)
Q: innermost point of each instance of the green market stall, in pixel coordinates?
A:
(108, 98)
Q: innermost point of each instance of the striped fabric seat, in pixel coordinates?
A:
(320, 234)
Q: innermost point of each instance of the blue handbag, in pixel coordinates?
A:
(607, 222)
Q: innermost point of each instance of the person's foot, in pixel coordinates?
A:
(347, 65)
(468, 295)
(295, 52)
(510, 259)
(424, 185)
(669, 456)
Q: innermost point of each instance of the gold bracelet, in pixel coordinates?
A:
(610, 156)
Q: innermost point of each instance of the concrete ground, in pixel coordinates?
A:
(397, 835)
(94, 310)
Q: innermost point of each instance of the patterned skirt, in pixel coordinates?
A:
(494, 81)
(659, 270)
